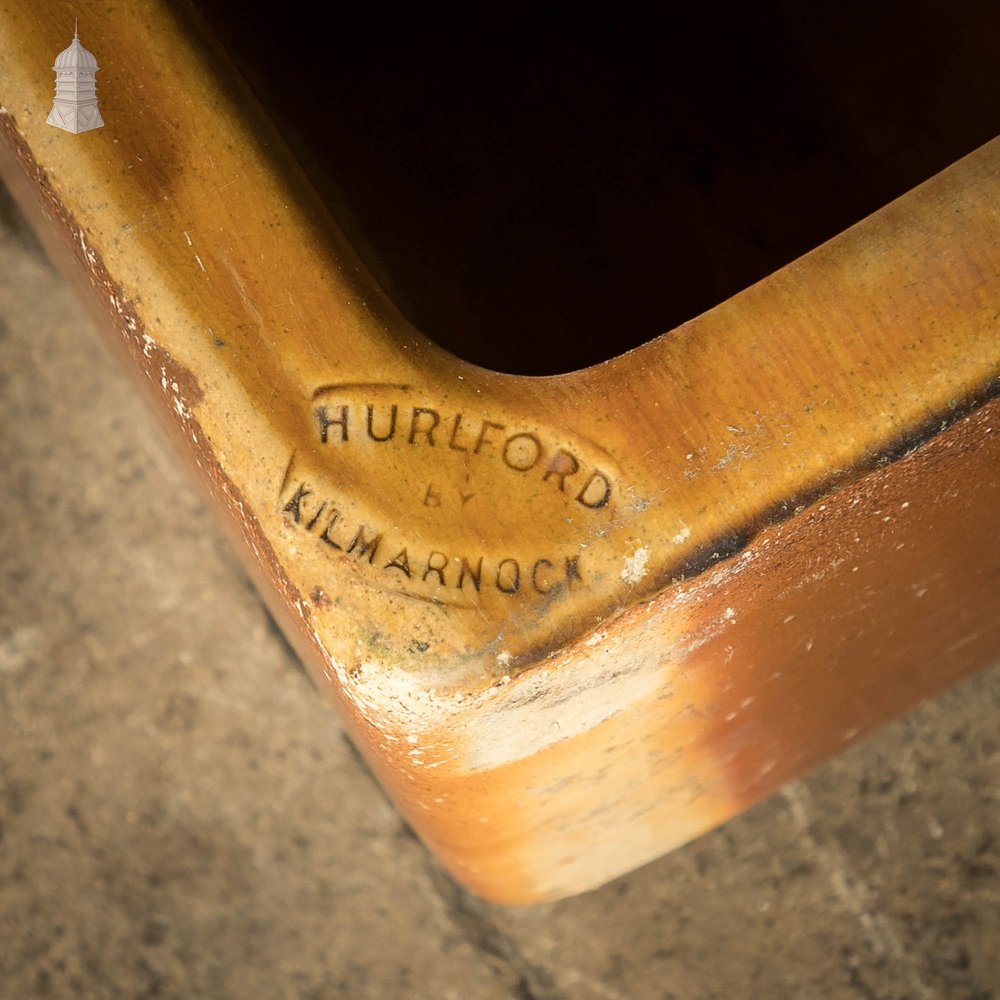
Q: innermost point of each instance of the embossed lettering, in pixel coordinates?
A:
(436, 563)
(326, 422)
(508, 582)
(325, 536)
(428, 432)
(475, 575)
(294, 506)
(468, 575)
(400, 561)
(596, 491)
(316, 517)
(484, 433)
(535, 574)
(364, 545)
(392, 424)
(521, 452)
(454, 434)
(563, 464)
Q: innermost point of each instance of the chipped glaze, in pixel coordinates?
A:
(572, 622)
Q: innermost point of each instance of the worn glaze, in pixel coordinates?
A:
(572, 621)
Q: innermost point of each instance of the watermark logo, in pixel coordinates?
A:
(75, 106)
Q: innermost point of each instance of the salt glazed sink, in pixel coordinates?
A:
(571, 620)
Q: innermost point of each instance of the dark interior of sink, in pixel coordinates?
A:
(541, 188)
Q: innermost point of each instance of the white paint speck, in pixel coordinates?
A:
(634, 566)
(682, 536)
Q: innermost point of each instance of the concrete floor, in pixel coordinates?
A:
(181, 816)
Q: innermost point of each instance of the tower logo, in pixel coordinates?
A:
(75, 106)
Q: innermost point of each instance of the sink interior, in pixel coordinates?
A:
(541, 188)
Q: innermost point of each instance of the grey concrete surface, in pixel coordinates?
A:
(181, 816)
